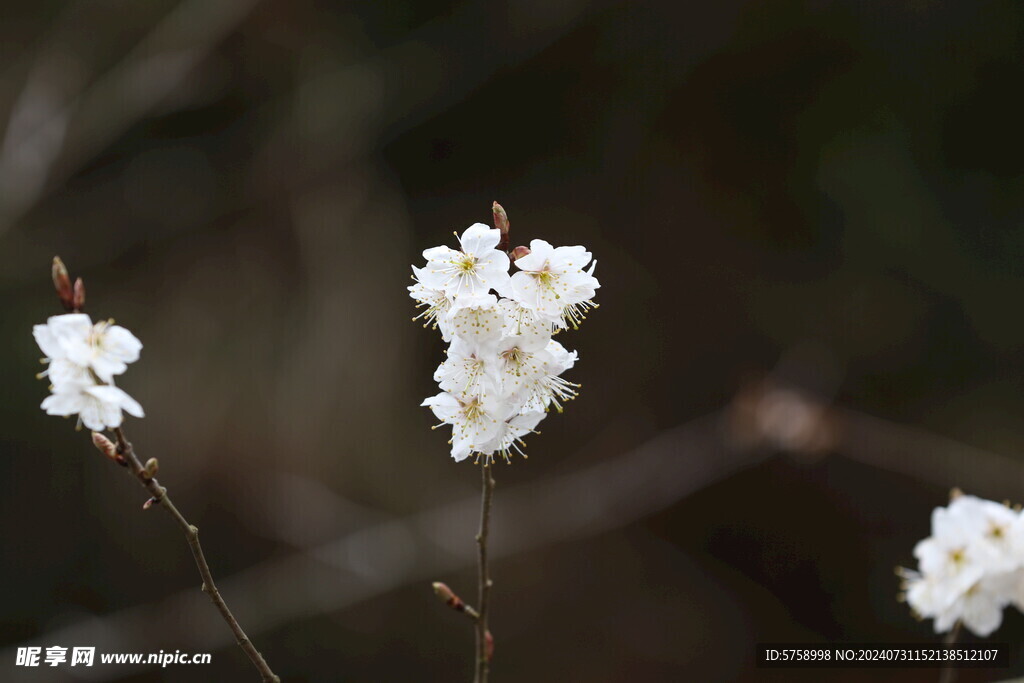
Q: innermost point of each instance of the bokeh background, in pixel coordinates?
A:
(808, 221)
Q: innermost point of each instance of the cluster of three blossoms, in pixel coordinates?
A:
(970, 568)
(503, 369)
(83, 359)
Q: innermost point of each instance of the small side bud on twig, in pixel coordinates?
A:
(62, 283)
(502, 224)
(79, 298)
(489, 640)
(152, 466)
(104, 445)
(150, 503)
(519, 252)
(107, 448)
(452, 600)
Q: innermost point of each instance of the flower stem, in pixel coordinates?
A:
(484, 581)
(948, 673)
(159, 493)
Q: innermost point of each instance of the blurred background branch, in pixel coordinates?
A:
(834, 184)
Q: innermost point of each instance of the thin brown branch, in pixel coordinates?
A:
(159, 496)
(484, 643)
(948, 672)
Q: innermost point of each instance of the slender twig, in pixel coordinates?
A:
(484, 581)
(159, 493)
(948, 672)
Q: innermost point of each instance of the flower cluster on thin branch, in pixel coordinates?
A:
(503, 369)
(502, 374)
(82, 360)
(970, 568)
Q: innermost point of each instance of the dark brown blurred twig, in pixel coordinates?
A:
(381, 557)
(484, 579)
(75, 126)
(608, 495)
(125, 455)
(159, 493)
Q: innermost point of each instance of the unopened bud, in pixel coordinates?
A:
(955, 493)
(454, 601)
(489, 642)
(152, 466)
(62, 283)
(519, 252)
(450, 598)
(79, 298)
(502, 224)
(149, 503)
(104, 446)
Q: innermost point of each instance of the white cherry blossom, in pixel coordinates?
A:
(474, 421)
(104, 348)
(503, 371)
(469, 370)
(970, 568)
(508, 440)
(107, 350)
(83, 359)
(98, 407)
(474, 269)
(477, 318)
(551, 282)
(434, 302)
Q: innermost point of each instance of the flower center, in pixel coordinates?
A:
(514, 356)
(466, 264)
(545, 277)
(472, 410)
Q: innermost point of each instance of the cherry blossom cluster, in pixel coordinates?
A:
(82, 359)
(503, 370)
(970, 568)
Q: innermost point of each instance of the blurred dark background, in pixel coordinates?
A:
(808, 222)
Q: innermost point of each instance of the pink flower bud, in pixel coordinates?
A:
(78, 301)
(519, 252)
(104, 446)
(62, 283)
(502, 224)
